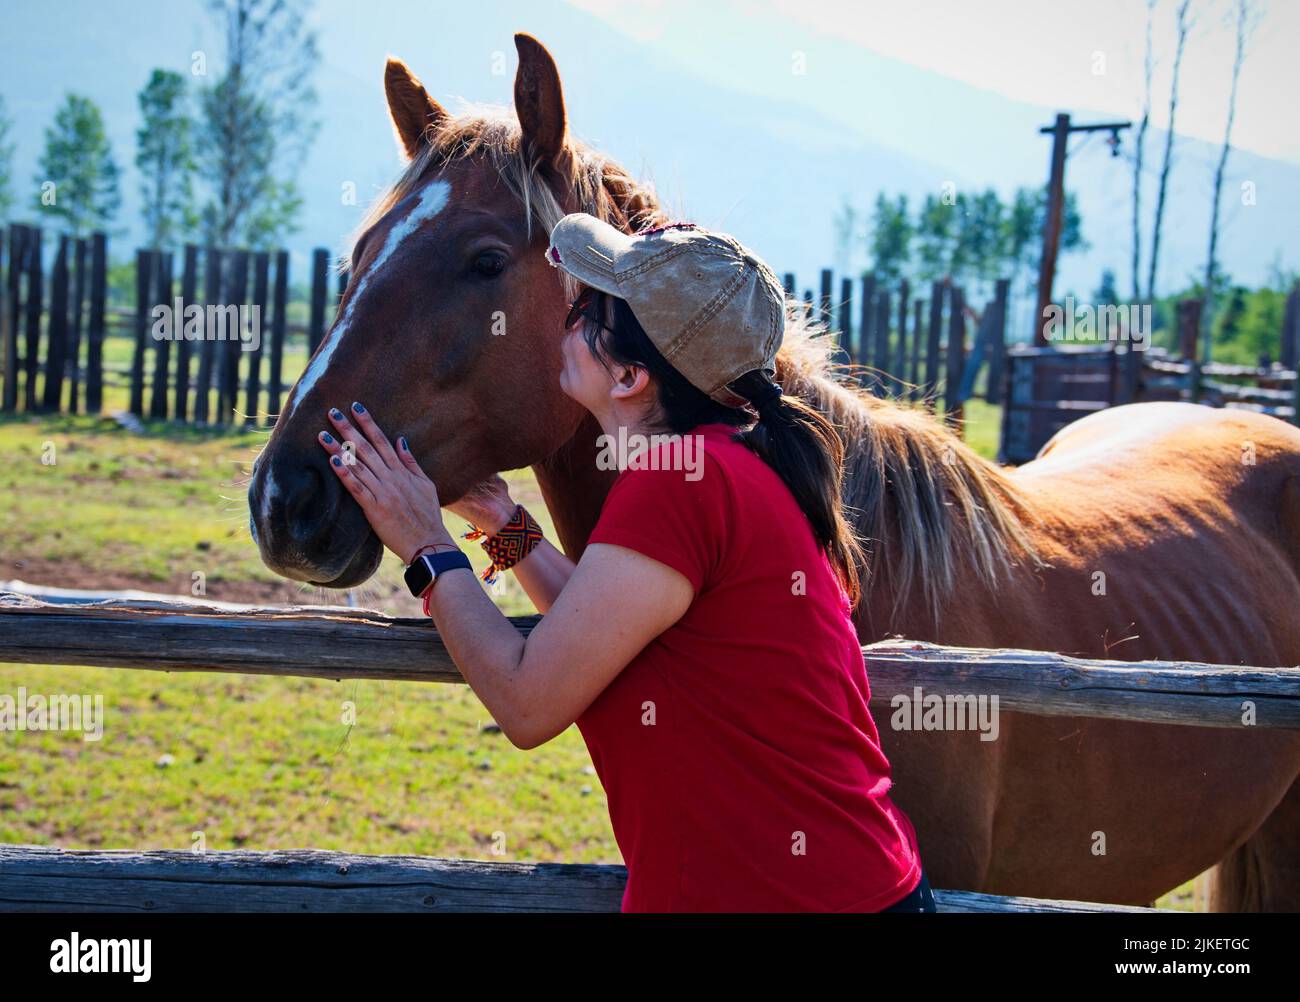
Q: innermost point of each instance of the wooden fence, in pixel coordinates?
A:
(338, 643)
(211, 377)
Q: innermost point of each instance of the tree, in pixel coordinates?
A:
(1147, 66)
(891, 238)
(256, 120)
(1207, 304)
(1184, 25)
(1107, 294)
(936, 237)
(164, 155)
(981, 233)
(78, 177)
(6, 162)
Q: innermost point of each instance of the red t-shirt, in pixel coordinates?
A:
(742, 767)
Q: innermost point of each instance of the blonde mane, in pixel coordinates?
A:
(927, 506)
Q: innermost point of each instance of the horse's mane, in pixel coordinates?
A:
(928, 507)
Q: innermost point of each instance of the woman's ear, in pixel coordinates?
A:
(631, 383)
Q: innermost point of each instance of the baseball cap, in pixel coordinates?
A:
(713, 309)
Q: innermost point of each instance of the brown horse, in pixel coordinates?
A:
(1151, 531)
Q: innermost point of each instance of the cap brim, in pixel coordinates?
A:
(589, 249)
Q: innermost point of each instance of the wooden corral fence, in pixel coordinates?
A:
(914, 345)
(1047, 388)
(209, 378)
(341, 643)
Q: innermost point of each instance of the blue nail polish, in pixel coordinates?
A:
(406, 446)
(327, 437)
(336, 414)
(358, 408)
(336, 461)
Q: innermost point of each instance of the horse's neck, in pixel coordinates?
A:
(574, 487)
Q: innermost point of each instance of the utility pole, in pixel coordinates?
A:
(1060, 133)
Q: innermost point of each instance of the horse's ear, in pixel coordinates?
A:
(539, 102)
(414, 111)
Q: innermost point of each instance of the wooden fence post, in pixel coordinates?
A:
(95, 331)
(261, 279)
(189, 296)
(212, 268)
(236, 292)
(316, 325)
(899, 375)
(880, 345)
(143, 277)
(35, 302)
(918, 329)
(162, 347)
(279, 322)
(1189, 326)
(933, 335)
(56, 352)
(824, 305)
(862, 355)
(998, 342)
(787, 282)
(12, 312)
(846, 320)
(78, 304)
(956, 356)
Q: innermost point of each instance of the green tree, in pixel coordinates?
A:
(891, 238)
(6, 162)
(936, 236)
(1107, 294)
(78, 177)
(165, 157)
(256, 120)
(981, 234)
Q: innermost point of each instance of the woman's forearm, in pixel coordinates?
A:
(543, 573)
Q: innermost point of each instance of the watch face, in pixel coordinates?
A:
(419, 575)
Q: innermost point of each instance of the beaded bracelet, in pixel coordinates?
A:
(514, 541)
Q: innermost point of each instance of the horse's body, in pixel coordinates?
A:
(1151, 531)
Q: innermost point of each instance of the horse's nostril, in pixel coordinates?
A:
(311, 504)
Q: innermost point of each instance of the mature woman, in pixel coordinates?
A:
(703, 644)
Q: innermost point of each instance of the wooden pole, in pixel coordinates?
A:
(189, 294)
(12, 314)
(899, 376)
(78, 304)
(825, 316)
(998, 342)
(162, 348)
(56, 351)
(880, 345)
(918, 329)
(846, 320)
(236, 277)
(35, 303)
(862, 355)
(956, 357)
(95, 332)
(279, 322)
(1051, 225)
(316, 325)
(212, 268)
(261, 280)
(143, 282)
(933, 337)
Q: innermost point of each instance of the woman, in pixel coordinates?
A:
(703, 644)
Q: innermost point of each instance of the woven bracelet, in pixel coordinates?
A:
(516, 539)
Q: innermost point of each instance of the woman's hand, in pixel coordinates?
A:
(487, 505)
(399, 501)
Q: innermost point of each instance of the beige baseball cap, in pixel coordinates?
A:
(713, 309)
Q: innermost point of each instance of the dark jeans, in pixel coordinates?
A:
(920, 900)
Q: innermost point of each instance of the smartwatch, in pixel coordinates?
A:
(425, 568)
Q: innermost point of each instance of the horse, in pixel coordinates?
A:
(1149, 531)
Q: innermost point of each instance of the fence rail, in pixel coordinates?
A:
(336, 643)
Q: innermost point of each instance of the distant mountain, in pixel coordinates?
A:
(765, 159)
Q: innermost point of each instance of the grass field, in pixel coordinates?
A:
(253, 762)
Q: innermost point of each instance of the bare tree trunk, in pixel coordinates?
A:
(1207, 307)
(1183, 26)
(1137, 162)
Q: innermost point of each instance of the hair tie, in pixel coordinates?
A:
(769, 395)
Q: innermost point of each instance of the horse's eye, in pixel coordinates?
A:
(490, 264)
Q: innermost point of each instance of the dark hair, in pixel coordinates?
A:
(795, 440)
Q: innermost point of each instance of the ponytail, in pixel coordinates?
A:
(807, 453)
(796, 441)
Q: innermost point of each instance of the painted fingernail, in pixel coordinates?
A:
(358, 408)
(336, 461)
(336, 414)
(328, 439)
(406, 446)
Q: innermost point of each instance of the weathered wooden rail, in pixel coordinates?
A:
(40, 878)
(339, 643)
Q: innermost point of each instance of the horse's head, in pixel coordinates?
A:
(450, 326)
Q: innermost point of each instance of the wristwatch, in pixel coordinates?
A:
(424, 569)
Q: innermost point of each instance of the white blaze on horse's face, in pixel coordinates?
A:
(431, 201)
